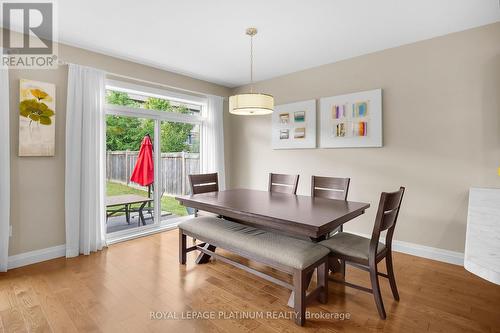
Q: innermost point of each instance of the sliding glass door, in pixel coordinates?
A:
(152, 146)
(130, 174)
(180, 157)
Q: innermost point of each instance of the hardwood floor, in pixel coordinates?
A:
(116, 289)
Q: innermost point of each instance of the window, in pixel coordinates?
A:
(148, 102)
(173, 123)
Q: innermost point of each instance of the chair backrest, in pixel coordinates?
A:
(283, 183)
(387, 216)
(204, 183)
(330, 187)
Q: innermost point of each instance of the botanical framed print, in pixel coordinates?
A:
(37, 118)
(294, 125)
(351, 120)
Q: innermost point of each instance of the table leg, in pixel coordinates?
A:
(141, 215)
(203, 258)
(127, 213)
(318, 239)
(340, 228)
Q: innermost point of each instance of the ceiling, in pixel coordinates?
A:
(206, 39)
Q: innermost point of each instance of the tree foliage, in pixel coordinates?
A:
(126, 133)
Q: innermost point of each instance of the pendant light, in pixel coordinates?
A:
(251, 104)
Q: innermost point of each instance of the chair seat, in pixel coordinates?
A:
(252, 242)
(350, 245)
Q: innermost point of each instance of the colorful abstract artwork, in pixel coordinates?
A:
(300, 133)
(338, 111)
(340, 130)
(284, 118)
(294, 125)
(360, 128)
(352, 120)
(299, 116)
(360, 109)
(37, 116)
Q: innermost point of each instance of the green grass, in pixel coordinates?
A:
(168, 203)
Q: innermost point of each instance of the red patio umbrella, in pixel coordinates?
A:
(143, 173)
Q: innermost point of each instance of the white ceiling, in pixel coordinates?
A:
(206, 38)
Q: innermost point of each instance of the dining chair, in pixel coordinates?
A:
(281, 183)
(365, 253)
(203, 183)
(331, 188)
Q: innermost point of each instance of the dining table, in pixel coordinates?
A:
(118, 204)
(290, 214)
(296, 215)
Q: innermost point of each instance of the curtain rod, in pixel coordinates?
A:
(65, 63)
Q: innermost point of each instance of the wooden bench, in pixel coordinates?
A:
(290, 255)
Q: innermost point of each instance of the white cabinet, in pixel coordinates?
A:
(482, 245)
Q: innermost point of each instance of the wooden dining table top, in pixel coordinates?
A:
(287, 213)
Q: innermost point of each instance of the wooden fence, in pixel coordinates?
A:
(175, 167)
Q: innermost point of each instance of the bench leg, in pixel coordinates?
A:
(203, 258)
(182, 247)
(299, 288)
(308, 282)
(322, 276)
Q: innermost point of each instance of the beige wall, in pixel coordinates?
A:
(441, 118)
(37, 195)
(441, 136)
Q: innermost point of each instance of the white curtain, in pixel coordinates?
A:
(212, 142)
(85, 212)
(4, 169)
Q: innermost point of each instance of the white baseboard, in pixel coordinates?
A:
(33, 257)
(36, 256)
(451, 257)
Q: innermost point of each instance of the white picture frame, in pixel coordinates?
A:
(351, 120)
(294, 125)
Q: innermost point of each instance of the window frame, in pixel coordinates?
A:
(158, 93)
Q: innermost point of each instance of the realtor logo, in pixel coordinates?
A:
(28, 35)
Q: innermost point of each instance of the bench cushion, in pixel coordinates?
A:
(262, 245)
(350, 245)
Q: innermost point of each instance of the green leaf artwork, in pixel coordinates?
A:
(36, 111)
(37, 118)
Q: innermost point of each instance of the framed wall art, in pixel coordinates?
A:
(37, 118)
(294, 125)
(351, 120)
